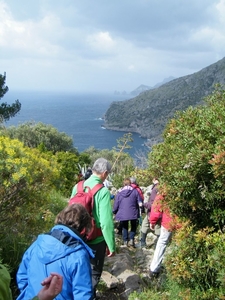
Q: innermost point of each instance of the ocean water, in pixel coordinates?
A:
(78, 115)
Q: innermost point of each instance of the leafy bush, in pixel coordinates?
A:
(142, 176)
(42, 136)
(190, 164)
(26, 180)
(69, 170)
(200, 270)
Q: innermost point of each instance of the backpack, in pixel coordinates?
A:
(86, 198)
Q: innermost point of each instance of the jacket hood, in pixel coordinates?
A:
(126, 191)
(51, 248)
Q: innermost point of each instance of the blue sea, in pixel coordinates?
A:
(80, 116)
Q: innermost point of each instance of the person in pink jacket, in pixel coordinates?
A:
(168, 224)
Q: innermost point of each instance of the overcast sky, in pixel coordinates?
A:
(103, 45)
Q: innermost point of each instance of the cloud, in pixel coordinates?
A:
(107, 45)
(102, 41)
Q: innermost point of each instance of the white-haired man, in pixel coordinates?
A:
(102, 213)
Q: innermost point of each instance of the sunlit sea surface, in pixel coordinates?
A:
(78, 115)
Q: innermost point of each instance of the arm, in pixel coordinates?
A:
(81, 275)
(139, 199)
(105, 217)
(52, 286)
(152, 196)
(156, 212)
(74, 190)
(116, 204)
(22, 276)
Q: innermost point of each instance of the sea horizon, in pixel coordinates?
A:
(79, 115)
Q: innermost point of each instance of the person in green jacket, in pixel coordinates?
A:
(102, 213)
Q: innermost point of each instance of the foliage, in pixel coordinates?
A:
(190, 164)
(42, 136)
(122, 144)
(141, 158)
(7, 111)
(150, 294)
(142, 177)
(50, 142)
(200, 270)
(69, 171)
(123, 167)
(26, 179)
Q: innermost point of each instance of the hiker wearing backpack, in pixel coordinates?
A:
(134, 185)
(102, 215)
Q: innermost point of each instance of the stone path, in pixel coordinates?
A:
(127, 271)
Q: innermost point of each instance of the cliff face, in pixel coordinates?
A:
(149, 112)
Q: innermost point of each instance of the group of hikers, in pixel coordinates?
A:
(67, 262)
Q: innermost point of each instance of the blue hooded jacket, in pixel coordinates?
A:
(126, 205)
(61, 251)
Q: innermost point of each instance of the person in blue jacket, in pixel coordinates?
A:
(127, 209)
(62, 250)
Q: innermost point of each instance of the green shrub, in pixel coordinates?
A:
(26, 179)
(42, 136)
(191, 166)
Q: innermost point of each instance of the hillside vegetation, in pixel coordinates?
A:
(36, 182)
(149, 112)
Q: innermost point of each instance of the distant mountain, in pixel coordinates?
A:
(140, 89)
(148, 113)
(168, 79)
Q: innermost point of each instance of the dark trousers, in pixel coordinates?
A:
(97, 262)
(133, 224)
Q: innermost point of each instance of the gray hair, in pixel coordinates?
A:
(101, 165)
(132, 179)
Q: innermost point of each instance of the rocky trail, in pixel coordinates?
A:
(127, 271)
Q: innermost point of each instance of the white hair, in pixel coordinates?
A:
(132, 179)
(101, 165)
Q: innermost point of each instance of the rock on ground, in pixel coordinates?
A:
(127, 271)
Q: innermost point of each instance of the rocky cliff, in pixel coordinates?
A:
(148, 113)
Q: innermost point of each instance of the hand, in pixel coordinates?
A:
(111, 254)
(52, 286)
(152, 226)
(107, 251)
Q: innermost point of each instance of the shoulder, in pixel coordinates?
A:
(103, 192)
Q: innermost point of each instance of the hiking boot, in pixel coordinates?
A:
(125, 244)
(141, 245)
(153, 275)
(131, 243)
(118, 232)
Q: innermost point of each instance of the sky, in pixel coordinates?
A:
(106, 46)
